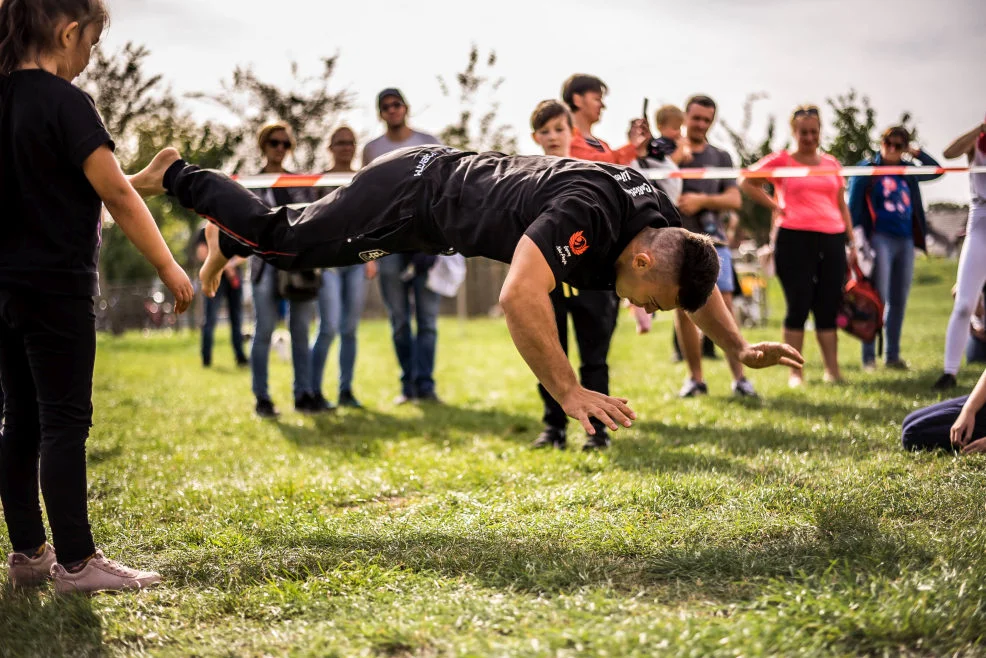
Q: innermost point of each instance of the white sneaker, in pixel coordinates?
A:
(29, 572)
(743, 388)
(100, 575)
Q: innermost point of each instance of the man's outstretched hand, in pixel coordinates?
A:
(764, 355)
(583, 404)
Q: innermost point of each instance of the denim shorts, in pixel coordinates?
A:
(726, 283)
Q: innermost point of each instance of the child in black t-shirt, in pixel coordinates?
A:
(57, 170)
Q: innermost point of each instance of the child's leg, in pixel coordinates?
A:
(930, 428)
(20, 443)
(59, 348)
(62, 353)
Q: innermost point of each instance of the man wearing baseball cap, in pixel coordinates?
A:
(403, 276)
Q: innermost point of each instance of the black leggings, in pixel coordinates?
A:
(47, 352)
(812, 270)
(594, 318)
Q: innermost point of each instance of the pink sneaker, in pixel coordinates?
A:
(101, 575)
(29, 572)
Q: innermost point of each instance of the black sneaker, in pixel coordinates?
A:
(597, 441)
(319, 404)
(265, 408)
(242, 362)
(944, 383)
(347, 399)
(551, 437)
(429, 398)
(305, 403)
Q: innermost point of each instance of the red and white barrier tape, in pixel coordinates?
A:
(335, 180)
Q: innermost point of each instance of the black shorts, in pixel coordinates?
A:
(812, 270)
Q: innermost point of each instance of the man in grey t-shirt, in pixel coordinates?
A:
(704, 203)
(393, 110)
(404, 275)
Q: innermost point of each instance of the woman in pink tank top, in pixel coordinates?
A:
(810, 250)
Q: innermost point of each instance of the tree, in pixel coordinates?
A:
(308, 104)
(143, 117)
(854, 123)
(125, 95)
(754, 218)
(482, 134)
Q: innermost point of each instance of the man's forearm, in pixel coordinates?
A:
(716, 322)
(531, 321)
(728, 200)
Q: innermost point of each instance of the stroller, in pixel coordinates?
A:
(750, 299)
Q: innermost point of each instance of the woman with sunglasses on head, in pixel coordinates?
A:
(810, 250)
(972, 261)
(275, 141)
(890, 213)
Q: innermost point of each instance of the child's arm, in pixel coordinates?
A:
(961, 432)
(128, 210)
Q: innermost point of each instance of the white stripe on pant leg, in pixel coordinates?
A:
(971, 277)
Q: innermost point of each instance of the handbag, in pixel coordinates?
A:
(300, 285)
(861, 312)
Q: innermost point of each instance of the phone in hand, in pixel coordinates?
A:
(646, 103)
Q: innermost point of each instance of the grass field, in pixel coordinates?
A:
(795, 525)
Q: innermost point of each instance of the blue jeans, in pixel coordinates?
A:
(415, 353)
(930, 428)
(893, 270)
(975, 350)
(234, 300)
(265, 305)
(340, 304)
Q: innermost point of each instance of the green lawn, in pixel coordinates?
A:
(712, 527)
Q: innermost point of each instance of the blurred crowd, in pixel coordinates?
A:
(826, 232)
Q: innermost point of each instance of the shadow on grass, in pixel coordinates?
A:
(360, 432)
(727, 567)
(33, 623)
(654, 436)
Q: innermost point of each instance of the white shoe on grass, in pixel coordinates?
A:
(101, 575)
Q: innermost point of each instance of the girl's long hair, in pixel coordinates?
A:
(27, 27)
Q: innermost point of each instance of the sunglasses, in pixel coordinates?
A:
(806, 112)
(387, 107)
(892, 144)
(344, 142)
(274, 143)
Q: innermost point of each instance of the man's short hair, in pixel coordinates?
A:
(581, 83)
(689, 259)
(698, 272)
(701, 100)
(668, 113)
(546, 111)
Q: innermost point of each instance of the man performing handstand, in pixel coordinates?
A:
(589, 224)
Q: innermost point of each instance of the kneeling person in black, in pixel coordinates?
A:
(592, 225)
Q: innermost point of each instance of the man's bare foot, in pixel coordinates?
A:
(211, 273)
(149, 181)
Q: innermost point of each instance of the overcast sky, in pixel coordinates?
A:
(924, 56)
